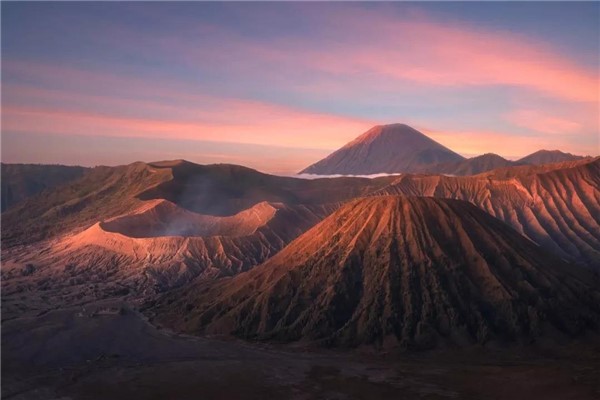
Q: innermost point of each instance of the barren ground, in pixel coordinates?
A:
(68, 353)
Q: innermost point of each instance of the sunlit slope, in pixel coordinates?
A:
(392, 270)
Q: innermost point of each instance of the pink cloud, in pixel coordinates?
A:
(542, 122)
(424, 51)
(249, 123)
(202, 117)
(439, 54)
(165, 108)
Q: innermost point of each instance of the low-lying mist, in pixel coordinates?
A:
(315, 176)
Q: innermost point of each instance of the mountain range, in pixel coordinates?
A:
(395, 148)
(508, 253)
(398, 148)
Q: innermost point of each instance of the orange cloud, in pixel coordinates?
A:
(471, 143)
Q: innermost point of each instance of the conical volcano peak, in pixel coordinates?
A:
(388, 132)
(394, 148)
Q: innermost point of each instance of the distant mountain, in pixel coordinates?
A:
(522, 170)
(20, 181)
(410, 272)
(471, 166)
(225, 189)
(217, 190)
(155, 226)
(395, 148)
(548, 156)
(152, 226)
(555, 205)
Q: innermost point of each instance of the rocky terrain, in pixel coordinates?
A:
(111, 234)
(163, 218)
(225, 189)
(219, 190)
(89, 352)
(140, 229)
(211, 249)
(102, 261)
(556, 205)
(398, 271)
(103, 193)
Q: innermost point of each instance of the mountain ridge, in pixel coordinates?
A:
(548, 156)
(20, 181)
(216, 189)
(472, 166)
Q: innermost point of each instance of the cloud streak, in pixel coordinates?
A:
(381, 47)
(219, 119)
(544, 123)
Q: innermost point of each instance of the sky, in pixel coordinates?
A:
(278, 86)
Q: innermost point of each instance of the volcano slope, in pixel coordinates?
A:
(20, 181)
(155, 248)
(219, 190)
(555, 205)
(394, 148)
(397, 271)
(225, 189)
(145, 228)
(102, 193)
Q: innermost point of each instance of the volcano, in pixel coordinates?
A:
(395, 148)
(548, 156)
(471, 166)
(214, 190)
(400, 271)
(153, 226)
